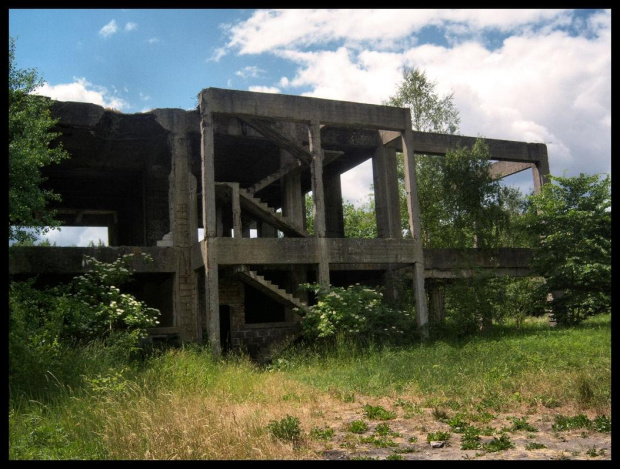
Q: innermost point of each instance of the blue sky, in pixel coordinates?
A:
(530, 75)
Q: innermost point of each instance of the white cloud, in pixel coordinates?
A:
(267, 30)
(77, 236)
(130, 26)
(540, 84)
(109, 29)
(250, 72)
(144, 97)
(153, 40)
(264, 89)
(217, 54)
(84, 92)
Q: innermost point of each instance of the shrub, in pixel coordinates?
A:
(356, 311)
(49, 326)
(571, 218)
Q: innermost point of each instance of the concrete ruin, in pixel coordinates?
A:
(242, 163)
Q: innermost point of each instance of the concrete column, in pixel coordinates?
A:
(413, 209)
(316, 169)
(193, 209)
(387, 207)
(236, 210)
(265, 230)
(293, 208)
(334, 217)
(182, 222)
(208, 218)
(387, 203)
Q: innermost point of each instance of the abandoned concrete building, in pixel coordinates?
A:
(216, 196)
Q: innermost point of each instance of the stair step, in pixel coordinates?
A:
(269, 288)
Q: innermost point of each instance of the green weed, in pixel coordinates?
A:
(378, 413)
(357, 426)
(286, 429)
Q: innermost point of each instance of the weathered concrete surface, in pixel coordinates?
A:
(375, 252)
(69, 260)
(303, 109)
(148, 175)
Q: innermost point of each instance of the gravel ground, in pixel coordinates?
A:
(409, 438)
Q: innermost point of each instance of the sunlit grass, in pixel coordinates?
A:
(184, 404)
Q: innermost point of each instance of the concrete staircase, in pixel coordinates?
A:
(270, 289)
(264, 212)
(279, 174)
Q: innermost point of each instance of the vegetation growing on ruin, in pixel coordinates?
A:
(182, 403)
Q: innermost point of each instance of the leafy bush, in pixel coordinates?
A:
(48, 327)
(356, 311)
(571, 217)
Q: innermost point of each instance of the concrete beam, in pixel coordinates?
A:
(503, 169)
(429, 143)
(303, 109)
(357, 254)
(69, 260)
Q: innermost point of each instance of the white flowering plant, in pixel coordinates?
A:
(356, 311)
(102, 308)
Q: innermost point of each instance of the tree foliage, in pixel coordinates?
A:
(30, 149)
(571, 219)
(430, 112)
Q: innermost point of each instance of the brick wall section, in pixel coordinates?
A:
(256, 339)
(259, 340)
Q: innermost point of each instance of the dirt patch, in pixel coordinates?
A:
(405, 436)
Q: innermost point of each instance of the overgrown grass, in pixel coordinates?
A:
(185, 404)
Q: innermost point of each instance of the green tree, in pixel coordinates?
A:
(360, 221)
(571, 219)
(30, 149)
(430, 112)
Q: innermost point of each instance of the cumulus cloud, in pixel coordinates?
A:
(546, 79)
(130, 26)
(264, 89)
(109, 29)
(84, 92)
(267, 30)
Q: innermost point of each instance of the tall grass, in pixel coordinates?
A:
(185, 404)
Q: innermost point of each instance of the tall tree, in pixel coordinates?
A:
(430, 112)
(571, 218)
(30, 149)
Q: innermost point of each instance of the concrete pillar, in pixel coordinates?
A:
(387, 208)
(316, 169)
(387, 203)
(293, 208)
(334, 217)
(540, 168)
(265, 230)
(209, 223)
(236, 210)
(413, 209)
(182, 222)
